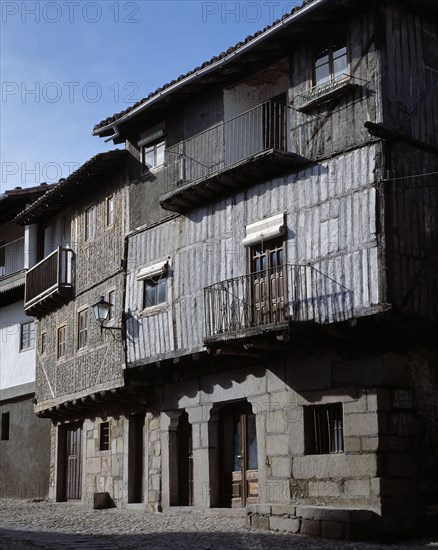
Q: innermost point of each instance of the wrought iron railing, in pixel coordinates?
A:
(49, 275)
(323, 91)
(12, 257)
(226, 144)
(275, 296)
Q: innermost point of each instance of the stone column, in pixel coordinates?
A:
(260, 408)
(169, 457)
(204, 423)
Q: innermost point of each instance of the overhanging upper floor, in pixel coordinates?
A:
(246, 149)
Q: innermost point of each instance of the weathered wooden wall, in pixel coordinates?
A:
(338, 124)
(331, 223)
(195, 115)
(410, 77)
(412, 230)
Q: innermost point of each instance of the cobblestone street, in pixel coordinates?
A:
(68, 526)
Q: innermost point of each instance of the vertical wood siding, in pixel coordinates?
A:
(412, 83)
(413, 231)
(331, 224)
(338, 124)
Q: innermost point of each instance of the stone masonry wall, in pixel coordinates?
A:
(96, 367)
(24, 455)
(104, 470)
(154, 462)
(388, 401)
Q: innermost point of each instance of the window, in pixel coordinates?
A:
(155, 290)
(330, 62)
(153, 154)
(267, 255)
(110, 211)
(90, 223)
(104, 436)
(5, 426)
(43, 343)
(267, 282)
(61, 342)
(112, 302)
(82, 328)
(323, 428)
(27, 336)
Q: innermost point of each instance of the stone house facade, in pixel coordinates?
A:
(78, 227)
(279, 292)
(293, 269)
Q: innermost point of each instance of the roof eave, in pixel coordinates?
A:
(104, 131)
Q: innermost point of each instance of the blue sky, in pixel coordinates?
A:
(66, 65)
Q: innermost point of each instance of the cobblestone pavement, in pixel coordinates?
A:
(69, 526)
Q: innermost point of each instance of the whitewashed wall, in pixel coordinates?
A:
(16, 367)
(331, 224)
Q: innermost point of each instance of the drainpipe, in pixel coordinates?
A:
(115, 135)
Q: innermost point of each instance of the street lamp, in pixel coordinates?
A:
(101, 311)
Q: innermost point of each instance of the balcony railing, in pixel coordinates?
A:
(217, 153)
(324, 92)
(12, 257)
(49, 282)
(271, 299)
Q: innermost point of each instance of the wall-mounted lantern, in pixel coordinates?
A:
(101, 311)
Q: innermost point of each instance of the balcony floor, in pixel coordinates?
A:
(48, 301)
(247, 332)
(266, 165)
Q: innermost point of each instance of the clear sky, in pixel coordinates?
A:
(66, 65)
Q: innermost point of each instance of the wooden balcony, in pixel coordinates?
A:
(270, 300)
(248, 148)
(49, 283)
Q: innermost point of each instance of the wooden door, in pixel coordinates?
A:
(73, 487)
(239, 467)
(185, 462)
(268, 283)
(135, 458)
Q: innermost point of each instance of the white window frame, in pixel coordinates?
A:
(154, 148)
(61, 344)
(331, 58)
(158, 274)
(43, 343)
(109, 211)
(30, 336)
(153, 139)
(83, 330)
(90, 225)
(112, 302)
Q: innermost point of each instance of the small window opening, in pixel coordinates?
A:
(323, 426)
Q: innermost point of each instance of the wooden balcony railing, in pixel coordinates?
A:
(49, 282)
(271, 299)
(218, 154)
(12, 257)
